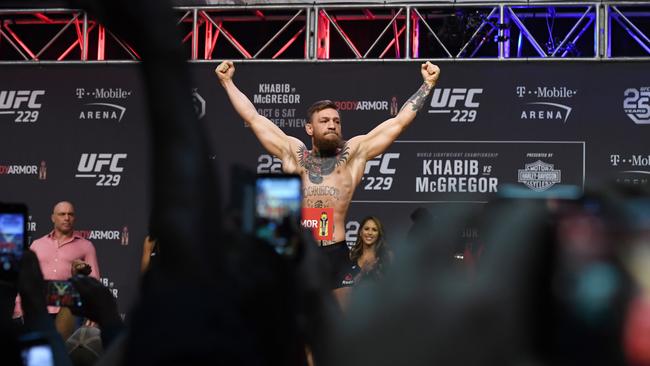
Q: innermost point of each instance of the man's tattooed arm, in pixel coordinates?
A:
(379, 139)
(417, 100)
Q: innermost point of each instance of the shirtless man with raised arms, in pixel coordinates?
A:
(333, 167)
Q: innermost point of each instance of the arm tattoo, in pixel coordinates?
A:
(318, 166)
(417, 99)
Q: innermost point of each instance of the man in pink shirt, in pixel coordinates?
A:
(63, 253)
(62, 248)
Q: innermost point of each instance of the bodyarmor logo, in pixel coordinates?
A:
(104, 166)
(125, 236)
(99, 234)
(39, 171)
(319, 221)
(461, 103)
(637, 105)
(361, 105)
(322, 225)
(539, 176)
(42, 171)
(24, 104)
(394, 108)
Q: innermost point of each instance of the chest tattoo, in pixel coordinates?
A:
(321, 166)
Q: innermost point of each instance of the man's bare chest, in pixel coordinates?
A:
(333, 187)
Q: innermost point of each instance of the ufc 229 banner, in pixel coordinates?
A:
(80, 133)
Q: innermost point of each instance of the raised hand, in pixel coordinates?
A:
(430, 73)
(225, 70)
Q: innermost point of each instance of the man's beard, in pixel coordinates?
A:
(328, 146)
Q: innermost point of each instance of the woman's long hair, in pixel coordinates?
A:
(380, 244)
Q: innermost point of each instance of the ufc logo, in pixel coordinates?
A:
(383, 162)
(95, 163)
(13, 99)
(447, 98)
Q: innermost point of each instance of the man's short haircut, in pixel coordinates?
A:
(319, 106)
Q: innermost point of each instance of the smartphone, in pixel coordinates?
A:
(278, 202)
(62, 293)
(13, 230)
(35, 350)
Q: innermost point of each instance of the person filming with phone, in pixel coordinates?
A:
(63, 253)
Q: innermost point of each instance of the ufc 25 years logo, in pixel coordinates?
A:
(637, 105)
(105, 167)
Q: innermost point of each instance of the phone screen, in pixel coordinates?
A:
(62, 293)
(38, 355)
(12, 235)
(277, 209)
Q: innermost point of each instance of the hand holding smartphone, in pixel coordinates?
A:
(13, 229)
(278, 203)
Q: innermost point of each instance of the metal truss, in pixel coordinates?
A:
(631, 20)
(542, 30)
(57, 35)
(562, 28)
